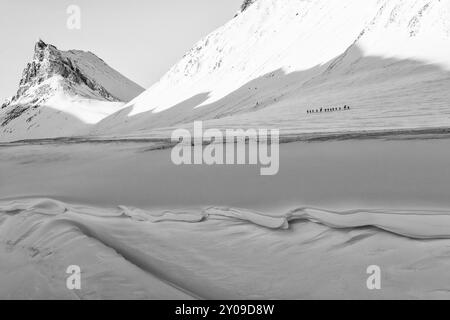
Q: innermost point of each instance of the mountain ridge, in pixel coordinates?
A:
(273, 39)
(73, 87)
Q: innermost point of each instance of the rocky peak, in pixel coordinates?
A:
(246, 4)
(44, 51)
(62, 91)
(40, 47)
(48, 62)
(65, 73)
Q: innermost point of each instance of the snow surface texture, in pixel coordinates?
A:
(61, 92)
(221, 253)
(388, 59)
(141, 227)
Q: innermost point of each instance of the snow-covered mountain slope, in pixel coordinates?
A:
(388, 59)
(61, 92)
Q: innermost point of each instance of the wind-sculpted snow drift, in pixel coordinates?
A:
(213, 252)
(419, 224)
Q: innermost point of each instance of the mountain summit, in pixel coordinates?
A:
(62, 91)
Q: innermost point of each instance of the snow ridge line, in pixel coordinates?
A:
(416, 224)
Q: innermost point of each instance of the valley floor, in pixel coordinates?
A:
(140, 227)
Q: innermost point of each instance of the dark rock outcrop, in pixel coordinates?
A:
(48, 62)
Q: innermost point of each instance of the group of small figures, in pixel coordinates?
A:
(331, 109)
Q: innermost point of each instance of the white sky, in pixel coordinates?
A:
(141, 39)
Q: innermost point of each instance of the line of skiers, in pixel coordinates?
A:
(331, 109)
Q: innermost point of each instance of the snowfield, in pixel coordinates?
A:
(388, 59)
(138, 229)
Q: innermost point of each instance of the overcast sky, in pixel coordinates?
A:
(141, 39)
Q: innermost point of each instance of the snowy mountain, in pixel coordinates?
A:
(276, 60)
(61, 93)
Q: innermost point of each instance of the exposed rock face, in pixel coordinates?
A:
(47, 62)
(63, 86)
(246, 4)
